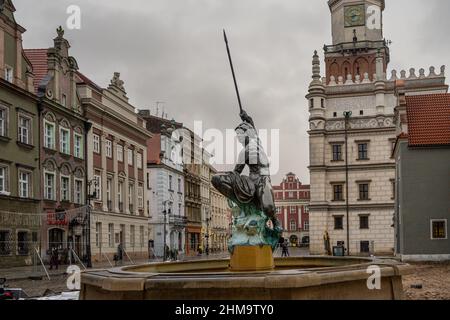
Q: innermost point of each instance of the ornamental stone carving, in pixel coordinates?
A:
(380, 122)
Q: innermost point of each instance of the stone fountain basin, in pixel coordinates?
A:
(297, 278)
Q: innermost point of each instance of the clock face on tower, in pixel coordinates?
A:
(355, 15)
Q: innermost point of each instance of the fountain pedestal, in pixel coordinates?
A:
(252, 258)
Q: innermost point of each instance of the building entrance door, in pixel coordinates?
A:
(55, 238)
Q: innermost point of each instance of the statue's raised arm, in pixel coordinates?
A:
(246, 118)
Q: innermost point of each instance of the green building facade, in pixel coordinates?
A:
(19, 147)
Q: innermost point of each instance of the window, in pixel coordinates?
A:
(3, 179)
(364, 222)
(78, 191)
(338, 192)
(5, 242)
(98, 234)
(278, 210)
(322, 103)
(96, 143)
(109, 184)
(111, 235)
(293, 225)
(49, 135)
(363, 151)
(109, 148)
(24, 184)
(311, 103)
(64, 100)
(179, 185)
(334, 114)
(119, 153)
(363, 191)
(337, 152)
(179, 209)
(49, 186)
(439, 229)
(130, 157)
(393, 189)
(361, 112)
(141, 196)
(120, 195)
(9, 74)
(365, 247)
(393, 144)
(65, 188)
(291, 194)
(78, 146)
(22, 243)
(141, 236)
(132, 236)
(3, 121)
(139, 160)
(170, 182)
(98, 186)
(64, 140)
(306, 225)
(339, 223)
(293, 209)
(24, 130)
(130, 197)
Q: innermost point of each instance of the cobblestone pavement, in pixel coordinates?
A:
(434, 279)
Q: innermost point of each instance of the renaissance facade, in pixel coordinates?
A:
(352, 133)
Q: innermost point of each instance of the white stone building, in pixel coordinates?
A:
(166, 191)
(355, 81)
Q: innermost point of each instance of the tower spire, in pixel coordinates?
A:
(316, 68)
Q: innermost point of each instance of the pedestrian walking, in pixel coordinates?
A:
(151, 253)
(120, 253)
(54, 258)
(284, 249)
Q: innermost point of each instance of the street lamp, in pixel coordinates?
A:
(347, 115)
(208, 219)
(88, 233)
(165, 231)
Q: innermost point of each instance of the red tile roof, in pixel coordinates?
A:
(154, 149)
(428, 120)
(86, 80)
(38, 58)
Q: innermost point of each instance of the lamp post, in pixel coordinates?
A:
(208, 219)
(347, 115)
(165, 231)
(89, 208)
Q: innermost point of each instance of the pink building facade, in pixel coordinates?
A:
(292, 202)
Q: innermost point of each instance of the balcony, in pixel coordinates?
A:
(356, 46)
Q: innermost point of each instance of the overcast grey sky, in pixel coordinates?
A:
(173, 51)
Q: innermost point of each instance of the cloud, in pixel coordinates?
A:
(173, 51)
